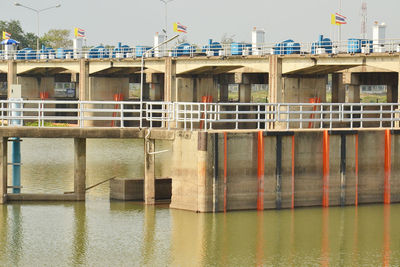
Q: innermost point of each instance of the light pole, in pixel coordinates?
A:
(141, 72)
(37, 13)
(166, 16)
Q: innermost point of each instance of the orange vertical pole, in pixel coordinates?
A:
(325, 195)
(260, 172)
(356, 169)
(225, 167)
(292, 171)
(388, 163)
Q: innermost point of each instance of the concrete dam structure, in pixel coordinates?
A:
(285, 153)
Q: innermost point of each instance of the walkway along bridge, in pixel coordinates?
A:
(230, 156)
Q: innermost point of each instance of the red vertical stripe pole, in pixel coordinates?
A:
(356, 170)
(225, 167)
(260, 172)
(325, 194)
(388, 152)
(292, 171)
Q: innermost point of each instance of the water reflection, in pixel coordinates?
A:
(103, 233)
(149, 233)
(386, 235)
(80, 239)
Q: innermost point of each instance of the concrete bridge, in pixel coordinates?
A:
(291, 78)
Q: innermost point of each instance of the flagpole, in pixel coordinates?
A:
(340, 25)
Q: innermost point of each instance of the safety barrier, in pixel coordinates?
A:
(351, 46)
(198, 116)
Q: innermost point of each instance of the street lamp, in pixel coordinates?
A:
(166, 16)
(37, 12)
(141, 72)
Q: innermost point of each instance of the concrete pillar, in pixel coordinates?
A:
(149, 172)
(224, 92)
(154, 86)
(11, 75)
(84, 80)
(275, 79)
(169, 78)
(353, 87)
(3, 170)
(244, 87)
(244, 93)
(80, 168)
(202, 172)
(338, 90)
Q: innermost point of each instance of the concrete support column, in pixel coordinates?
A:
(202, 172)
(244, 93)
(80, 168)
(3, 170)
(338, 90)
(224, 92)
(275, 79)
(153, 80)
(169, 78)
(84, 80)
(353, 87)
(11, 75)
(149, 172)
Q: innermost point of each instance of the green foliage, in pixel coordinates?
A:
(14, 27)
(57, 38)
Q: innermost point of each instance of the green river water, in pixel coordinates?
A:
(104, 233)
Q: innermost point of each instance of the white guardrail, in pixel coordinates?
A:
(351, 46)
(197, 116)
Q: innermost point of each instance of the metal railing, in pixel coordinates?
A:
(198, 116)
(221, 50)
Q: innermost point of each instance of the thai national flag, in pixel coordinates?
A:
(79, 32)
(181, 28)
(340, 19)
(6, 35)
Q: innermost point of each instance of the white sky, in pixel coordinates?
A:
(134, 22)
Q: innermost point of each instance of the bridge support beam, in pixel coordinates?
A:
(149, 172)
(84, 80)
(11, 75)
(353, 87)
(275, 79)
(80, 168)
(338, 90)
(169, 78)
(3, 170)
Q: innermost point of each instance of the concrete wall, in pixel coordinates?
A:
(300, 89)
(190, 191)
(32, 86)
(104, 88)
(192, 89)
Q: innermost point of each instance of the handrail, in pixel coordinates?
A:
(199, 116)
(223, 50)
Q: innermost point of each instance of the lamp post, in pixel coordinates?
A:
(166, 16)
(141, 72)
(38, 11)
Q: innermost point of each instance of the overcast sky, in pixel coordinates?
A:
(134, 22)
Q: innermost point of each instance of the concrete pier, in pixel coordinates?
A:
(3, 169)
(149, 172)
(80, 168)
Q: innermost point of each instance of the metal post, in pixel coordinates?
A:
(16, 165)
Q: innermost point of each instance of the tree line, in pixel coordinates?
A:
(54, 38)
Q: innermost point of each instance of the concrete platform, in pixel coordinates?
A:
(132, 189)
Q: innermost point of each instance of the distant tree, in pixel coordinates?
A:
(57, 38)
(14, 27)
